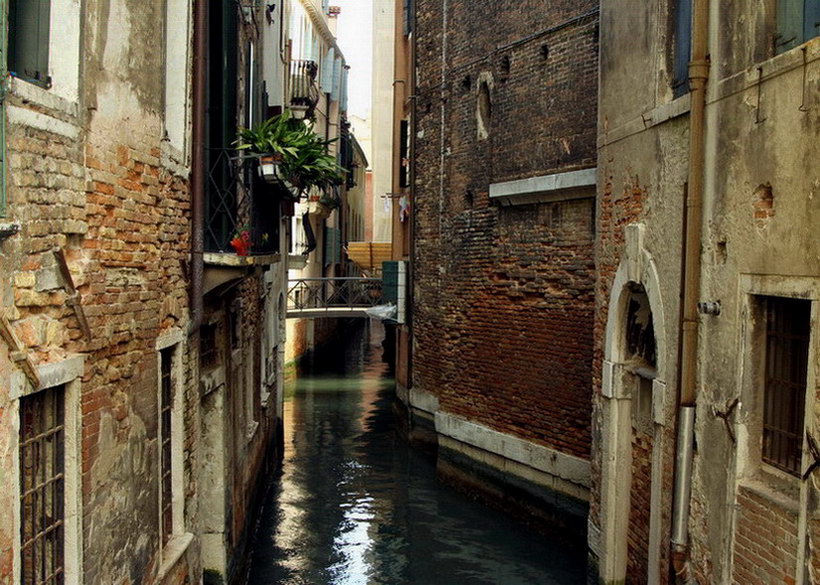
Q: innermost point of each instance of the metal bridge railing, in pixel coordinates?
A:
(334, 293)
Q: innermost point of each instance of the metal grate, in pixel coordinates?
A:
(303, 90)
(239, 201)
(42, 480)
(165, 409)
(787, 352)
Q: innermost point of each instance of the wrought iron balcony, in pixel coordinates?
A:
(304, 92)
(239, 204)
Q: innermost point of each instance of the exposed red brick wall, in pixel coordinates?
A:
(640, 494)
(765, 541)
(504, 296)
(616, 208)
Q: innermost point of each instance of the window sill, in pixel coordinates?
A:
(39, 95)
(777, 489)
(765, 70)
(172, 552)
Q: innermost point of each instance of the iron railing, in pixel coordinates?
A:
(303, 89)
(239, 201)
(334, 293)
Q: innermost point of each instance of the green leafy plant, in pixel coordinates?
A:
(303, 159)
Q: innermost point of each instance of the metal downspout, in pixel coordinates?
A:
(698, 75)
(411, 154)
(198, 165)
(4, 86)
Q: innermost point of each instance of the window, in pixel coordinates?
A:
(641, 357)
(404, 153)
(166, 406)
(29, 22)
(682, 48)
(208, 350)
(785, 370)
(42, 487)
(484, 110)
(797, 22)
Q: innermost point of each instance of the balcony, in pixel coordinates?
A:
(304, 91)
(238, 203)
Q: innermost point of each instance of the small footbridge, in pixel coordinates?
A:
(309, 298)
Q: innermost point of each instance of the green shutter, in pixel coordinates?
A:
(390, 281)
(789, 24)
(29, 22)
(683, 47)
(811, 19)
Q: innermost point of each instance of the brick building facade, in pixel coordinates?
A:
(110, 429)
(504, 183)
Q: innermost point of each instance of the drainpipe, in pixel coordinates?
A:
(198, 165)
(411, 154)
(4, 81)
(698, 75)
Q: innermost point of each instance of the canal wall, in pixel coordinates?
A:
(543, 487)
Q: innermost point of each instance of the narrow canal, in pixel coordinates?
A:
(354, 505)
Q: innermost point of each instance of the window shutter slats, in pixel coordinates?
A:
(789, 25)
(29, 22)
(683, 46)
(811, 19)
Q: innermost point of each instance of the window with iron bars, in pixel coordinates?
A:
(42, 487)
(786, 366)
(165, 411)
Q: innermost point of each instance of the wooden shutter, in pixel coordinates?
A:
(29, 22)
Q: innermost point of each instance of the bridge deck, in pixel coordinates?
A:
(332, 312)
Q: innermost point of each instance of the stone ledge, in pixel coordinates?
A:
(172, 553)
(546, 188)
(25, 117)
(233, 260)
(423, 400)
(561, 465)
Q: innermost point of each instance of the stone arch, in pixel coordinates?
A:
(637, 272)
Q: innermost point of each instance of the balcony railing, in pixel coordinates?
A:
(238, 201)
(304, 92)
(329, 294)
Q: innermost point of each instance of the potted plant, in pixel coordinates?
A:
(241, 242)
(297, 155)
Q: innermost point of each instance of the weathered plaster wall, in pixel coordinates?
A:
(758, 238)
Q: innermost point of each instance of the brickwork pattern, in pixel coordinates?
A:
(616, 208)
(122, 219)
(503, 296)
(765, 542)
(640, 495)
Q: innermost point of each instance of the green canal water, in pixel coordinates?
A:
(353, 504)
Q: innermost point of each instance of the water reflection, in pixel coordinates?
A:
(355, 506)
